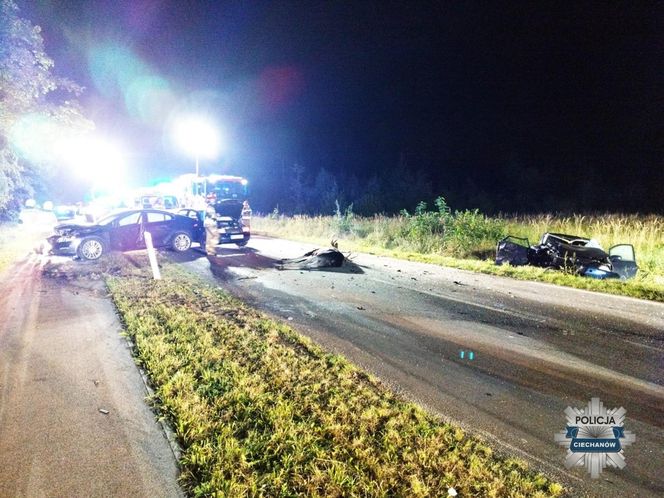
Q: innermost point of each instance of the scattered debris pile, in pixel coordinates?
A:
(57, 267)
(570, 253)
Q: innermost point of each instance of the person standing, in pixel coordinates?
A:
(211, 231)
(246, 215)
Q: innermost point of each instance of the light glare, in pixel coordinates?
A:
(197, 137)
(94, 159)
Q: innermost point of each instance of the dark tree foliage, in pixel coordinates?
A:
(301, 193)
(27, 85)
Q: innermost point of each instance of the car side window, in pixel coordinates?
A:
(131, 219)
(156, 217)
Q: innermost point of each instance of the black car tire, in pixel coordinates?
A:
(181, 242)
(91, 248)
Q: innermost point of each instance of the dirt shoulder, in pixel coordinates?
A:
(73, 415)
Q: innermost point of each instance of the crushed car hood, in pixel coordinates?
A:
(75, 229)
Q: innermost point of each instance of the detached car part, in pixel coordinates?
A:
(569, 252)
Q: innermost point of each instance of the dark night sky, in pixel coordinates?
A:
(468, 91)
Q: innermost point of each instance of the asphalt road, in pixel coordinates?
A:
(73, 416)
(537, 348)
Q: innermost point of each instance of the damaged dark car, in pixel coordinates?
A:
(572, 253)
(124, 231)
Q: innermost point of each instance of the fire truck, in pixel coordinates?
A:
(228, 196)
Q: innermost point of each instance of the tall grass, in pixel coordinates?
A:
(468, 239)
(437, 231)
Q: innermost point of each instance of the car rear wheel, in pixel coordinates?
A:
(181, 242)
(90, 248)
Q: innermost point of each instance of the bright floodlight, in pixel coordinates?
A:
(198, 138)
(93, 158)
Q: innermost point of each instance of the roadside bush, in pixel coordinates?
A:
(462, 233)
(426, 230)
(343, 221)
(472, 233)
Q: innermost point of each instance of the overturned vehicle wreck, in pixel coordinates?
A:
(578, 255)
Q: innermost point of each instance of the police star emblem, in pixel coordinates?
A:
(595, 437)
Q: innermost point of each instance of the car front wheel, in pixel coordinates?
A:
(90, 248)
(181, 242)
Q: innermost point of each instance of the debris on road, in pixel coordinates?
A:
(105, 412)
(579, 255)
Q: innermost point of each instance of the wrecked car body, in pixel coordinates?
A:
(572, 253)
(123, 231)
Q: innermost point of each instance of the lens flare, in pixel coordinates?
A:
(117, 71)
(150, 99)
(34, 136)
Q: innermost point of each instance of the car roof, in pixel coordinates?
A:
(121, 212)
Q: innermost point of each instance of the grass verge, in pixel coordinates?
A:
(385, 236)
(262, 411)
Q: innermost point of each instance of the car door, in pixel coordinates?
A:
(197, 229)
(623, 260)
(160, 226)
(126, 234)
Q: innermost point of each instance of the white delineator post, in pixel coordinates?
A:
(152, 256)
